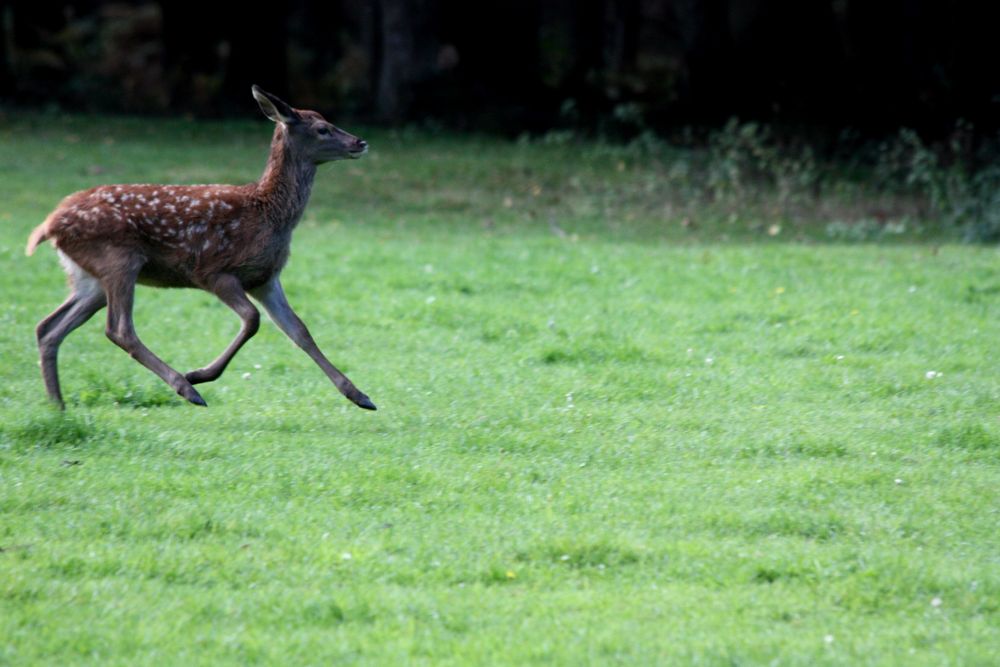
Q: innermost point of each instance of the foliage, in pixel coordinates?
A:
(601, 439)
(744, 160)
(963, 190)
(749, 167)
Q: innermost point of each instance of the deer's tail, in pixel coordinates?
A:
(38, 236)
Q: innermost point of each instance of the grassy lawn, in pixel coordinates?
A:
(610, 431)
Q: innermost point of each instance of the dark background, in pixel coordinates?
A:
(614, 67)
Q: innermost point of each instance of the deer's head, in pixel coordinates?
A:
(310, 135)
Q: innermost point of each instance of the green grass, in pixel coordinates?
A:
(603, 437)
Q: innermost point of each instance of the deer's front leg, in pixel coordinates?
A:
(120, 290)
(272, 297)
(230, 292)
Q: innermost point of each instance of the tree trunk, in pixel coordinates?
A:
(406, 47)
(394, 48)
(6, 49)
(258, 53)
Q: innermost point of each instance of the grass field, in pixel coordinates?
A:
(605, 435)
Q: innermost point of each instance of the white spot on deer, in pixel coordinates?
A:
(206, 245)
(194, 230)
(171, 208)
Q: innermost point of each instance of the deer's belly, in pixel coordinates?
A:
(253, 269)
(159, 275)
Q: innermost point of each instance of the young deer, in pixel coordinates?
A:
(228, 240)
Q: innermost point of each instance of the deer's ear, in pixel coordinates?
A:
(274, 108)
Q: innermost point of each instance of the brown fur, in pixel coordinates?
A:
(185, 234)
(221, 238)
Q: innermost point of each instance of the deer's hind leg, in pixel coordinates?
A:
(230, 292)
(120, 289)
(86, 299)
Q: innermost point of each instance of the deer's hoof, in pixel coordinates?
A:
(363, 401)
(192, 396)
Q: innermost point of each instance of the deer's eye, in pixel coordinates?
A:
(323, 131)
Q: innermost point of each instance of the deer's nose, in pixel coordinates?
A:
(362, 144)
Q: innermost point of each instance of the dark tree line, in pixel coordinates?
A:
(521, 64)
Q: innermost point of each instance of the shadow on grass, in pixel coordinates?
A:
(101, 390)
(49, 429)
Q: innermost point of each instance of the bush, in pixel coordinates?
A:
(745, 161)
(961, 186)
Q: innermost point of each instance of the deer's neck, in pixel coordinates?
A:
(283, 191)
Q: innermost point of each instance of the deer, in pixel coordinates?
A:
(231, 241)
